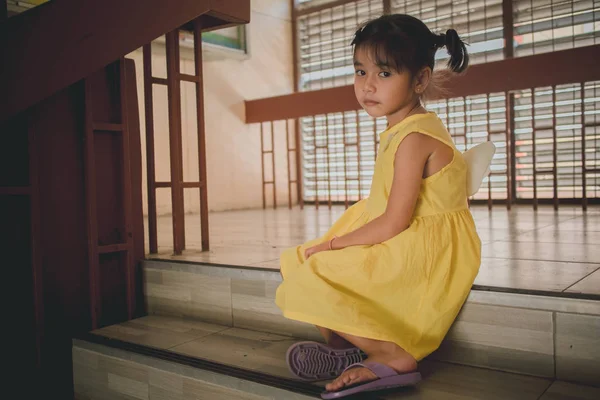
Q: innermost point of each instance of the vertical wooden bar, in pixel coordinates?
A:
(508, 30)
(345, 145)
(127, 193)
(289, 170)
(509, 151)
(583, 164)
(91, 217)
(374, 136)
(513, 159)
(299, 151)
(174, 98)
(202, 172)
(328, 161)
(297, 133)
(314, 124)
(358, 168)
(554, 150)
(534, 150)
(489, 139)
(465, 121)
(36, 254)
(262, 164)
(150, 162)
(273, 166)
(387, 7)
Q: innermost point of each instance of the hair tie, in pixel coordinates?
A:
(450, 38)
(439, 41)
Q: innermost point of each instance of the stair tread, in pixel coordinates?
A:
(265, 353)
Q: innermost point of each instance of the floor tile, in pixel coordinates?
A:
(554, 234)
(531, 274)
(577, 348)
(588, 285)
(583, 253)
(568, 391)
(443, 381)
(159, 332)
(242, 348)
(256, 238)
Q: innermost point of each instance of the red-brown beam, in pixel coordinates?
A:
(150, 162)
(273, 165)
(201, 122)
(554, 150)
(475, 81)
(583, 166)
(174, 102)
(534, 150)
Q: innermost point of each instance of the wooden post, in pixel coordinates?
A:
(174, 99)
(201, 136)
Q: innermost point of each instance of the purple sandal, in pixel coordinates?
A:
(387, 378)
(314, 361)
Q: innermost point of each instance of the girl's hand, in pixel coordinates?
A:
(316, 249)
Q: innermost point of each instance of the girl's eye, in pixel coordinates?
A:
(360, 72)
(385, 74)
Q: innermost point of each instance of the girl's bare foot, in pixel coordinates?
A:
(362, 375)
(387, 353)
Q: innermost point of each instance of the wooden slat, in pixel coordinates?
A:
(188, 78)
(115, 248)
(475, 81)
(158, 81)
(175, 140)
(200, 124)
(185, 185)
(73, 48)
(150, 156)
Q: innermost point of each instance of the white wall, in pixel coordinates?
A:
(233, 148)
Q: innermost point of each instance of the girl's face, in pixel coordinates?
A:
(380, 90)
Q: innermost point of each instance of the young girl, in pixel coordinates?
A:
(392, 273)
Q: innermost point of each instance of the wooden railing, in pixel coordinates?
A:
(573, 66)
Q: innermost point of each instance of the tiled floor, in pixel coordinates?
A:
(522, 249)
(266, 352)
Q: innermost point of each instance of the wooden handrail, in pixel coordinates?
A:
(556, 68)
(59, 43)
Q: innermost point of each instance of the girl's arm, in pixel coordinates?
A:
(409, 163)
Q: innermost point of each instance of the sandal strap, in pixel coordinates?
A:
(380, 370)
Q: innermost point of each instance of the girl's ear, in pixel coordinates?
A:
(422, 79)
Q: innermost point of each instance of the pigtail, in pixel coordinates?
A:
(457, 49)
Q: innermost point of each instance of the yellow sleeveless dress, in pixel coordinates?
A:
(408, 289)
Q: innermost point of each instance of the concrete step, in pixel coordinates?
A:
(173, 358)
(532, 334)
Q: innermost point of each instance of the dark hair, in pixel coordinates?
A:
(400, 41)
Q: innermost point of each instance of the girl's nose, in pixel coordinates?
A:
(368, 87)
